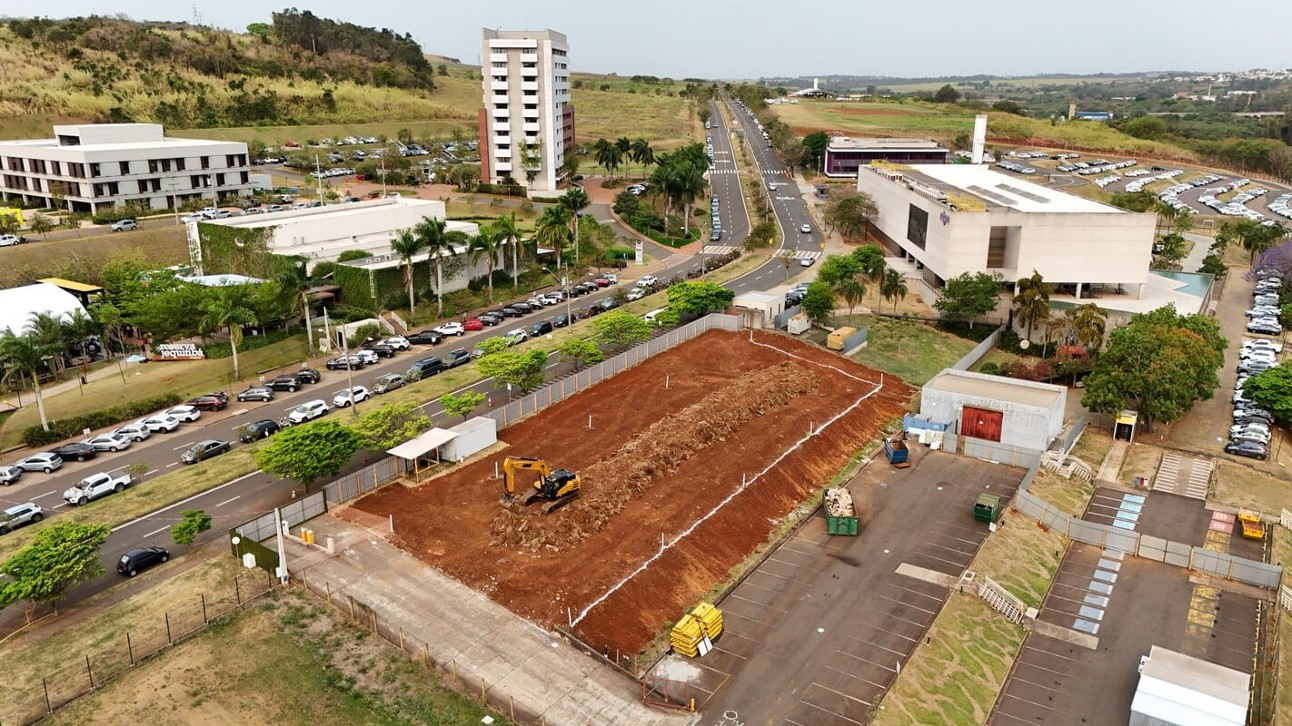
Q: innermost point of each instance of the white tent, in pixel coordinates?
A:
(18, 304)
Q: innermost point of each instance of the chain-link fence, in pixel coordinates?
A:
(27, 698)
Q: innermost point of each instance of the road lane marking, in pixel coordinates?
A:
(146, 473)
(221, 504)
(172, 464)
(137, 520)
(156, 531)
(46, 494)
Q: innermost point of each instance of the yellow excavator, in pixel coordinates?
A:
(556, 487)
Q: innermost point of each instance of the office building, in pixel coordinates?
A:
(844, 155)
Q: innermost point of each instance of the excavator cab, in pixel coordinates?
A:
(555, 487)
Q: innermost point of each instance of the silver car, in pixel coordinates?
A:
(16, 516)
(46, 461)
(109, 442)
(10, 475)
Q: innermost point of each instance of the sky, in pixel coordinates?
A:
(748, 39)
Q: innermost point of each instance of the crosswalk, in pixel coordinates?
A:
(717, 249)
(723, 171)
(1187, 476)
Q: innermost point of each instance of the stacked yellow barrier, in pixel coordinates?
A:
(710, 618)
(687, 636)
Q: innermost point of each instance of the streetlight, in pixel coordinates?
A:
(569, 318)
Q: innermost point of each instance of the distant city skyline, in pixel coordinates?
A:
(756, 38)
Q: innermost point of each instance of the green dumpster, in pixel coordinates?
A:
(986, 508)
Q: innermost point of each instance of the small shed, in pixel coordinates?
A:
(1018, 413)
(757, 309)
(423, 451)
(471, 436)
(1179, 690)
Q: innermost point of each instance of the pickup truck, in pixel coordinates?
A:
(96, 485)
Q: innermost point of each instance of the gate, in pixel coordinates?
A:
(980, 423)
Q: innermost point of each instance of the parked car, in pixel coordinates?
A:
(424, 368)
(309, 375)
(382, 350)
(426, 337)
(141, 558)
(259, 393)
(124, 225)
(340, 363)
(369, 356)
(205, 449)
(637, 293)
(18, 515)
(96, 485)
(388, 383)
(307, 411)
(289, 382)
(471, 324)
(209, 402)
(1250, 449)
(457, 357)
(108, 442)
(647, 281)
(450, 328)
(257, 430)
(10, 475)
(560, 321)
(184, 414)
(511, 311)
(542, 327)
(516, 336)
(46, 461)
(491, 318)
(7, 240)
(398, 342)
(523, 307)
(76, 450)
(134, 432)
(350, 396)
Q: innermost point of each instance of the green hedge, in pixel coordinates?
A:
(249, 342)
(72, 427)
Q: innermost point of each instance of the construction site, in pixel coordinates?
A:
(660, 481)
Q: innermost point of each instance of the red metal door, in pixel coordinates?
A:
(980, 423)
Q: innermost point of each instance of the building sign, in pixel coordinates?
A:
(178, 351)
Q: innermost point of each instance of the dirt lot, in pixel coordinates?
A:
(635, 493)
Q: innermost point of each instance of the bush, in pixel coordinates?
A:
(72, 427)
(109, 215)
(350, 313)
(249, 342)
(362, 335)
(989, 368)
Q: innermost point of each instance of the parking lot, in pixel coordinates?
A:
(817, 633)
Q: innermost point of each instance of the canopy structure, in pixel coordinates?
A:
(417, 450)
(18, 304)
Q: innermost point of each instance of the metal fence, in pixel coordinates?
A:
(1002, 600)
(858, 338)
(557, 391)
(27, 699)
(979, 350)
(353, 486)
(263, 527)
(782, 321)
(1001, 453)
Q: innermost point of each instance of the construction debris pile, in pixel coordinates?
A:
(656, 451)
(838, 503)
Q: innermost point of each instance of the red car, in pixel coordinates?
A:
(209, 402)
(472, 324)
(602, 282)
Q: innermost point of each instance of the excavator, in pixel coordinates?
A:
(556, 487)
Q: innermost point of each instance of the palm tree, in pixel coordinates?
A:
(608, 155)
(24, 354)
(487, 243)
(1032, 300)
(80, 327)
(439, 241)
(230, 307)
(689, 186)
(893, 287)
(509, 234)
(407, 245)
(1088, 323)
(852, 289)
(50, 334)
(294, 281)
(575, 200)
(642, 153)
(625, 147)
(553, 229)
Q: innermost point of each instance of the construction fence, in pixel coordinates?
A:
(979, 350)
(27, 699)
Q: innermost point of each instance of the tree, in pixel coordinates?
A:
(531, 159)
(608, 156)
(486, 243)
(461, 404)
(293, 280)
(872, 261)
(837, 268)
(581, 352)
(853, 291)
(230, 307)
(518, 370)
(40, 224)
(1146, 127)
(407, 245)
(698, 298)
(850, 212)
(439, 241)
(192, 523)
(1159, 364)
(552, 229)
(309, 451)
(388, 426)
(947, 94)
(60, 556)
(24, 354)
(1087, 323)
(625, 147)
(619, 327)
(969, 296)
(893, 287)
(1272, 391)
(1007, 106)
(1173, 247)
(489, 346)
(818, 302)
(509, 234)
(814, 149)
(641, 152)
(1032, 300)
(574, 201)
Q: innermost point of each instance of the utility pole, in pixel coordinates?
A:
(318, 177)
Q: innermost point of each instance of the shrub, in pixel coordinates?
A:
(351, 313)
(249, 342)
(72, 426)
(989, 368)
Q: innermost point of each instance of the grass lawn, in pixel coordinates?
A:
(911, 350)
(954, 678)
(1141, 460)
(1022, 557)
(1068, 495)
(286, 659)
(1242, 486)
(80, 256)
(871, 119)
(187, 378)
(1093, 446)
(485, 206)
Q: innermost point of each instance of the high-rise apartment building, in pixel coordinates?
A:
(527, 122)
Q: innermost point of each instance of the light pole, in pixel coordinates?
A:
(569, 318)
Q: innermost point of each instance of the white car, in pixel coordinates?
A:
(636, 294)
(348, 396)
(183, 414)
(398, 342)
(452, 328)
(1271, 345)
(307, 411)
(134, 432)
(612, 277)
(109, 442)
(806, 261)
(516, 336)
(160, 423)
(806, 229)
(647, 281)
(368, 357)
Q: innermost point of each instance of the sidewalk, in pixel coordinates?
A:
(458, 629)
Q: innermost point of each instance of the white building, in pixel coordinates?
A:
(91, 166)
(527, 122)
(1180, 690)
(1006, 410)
(955, 218)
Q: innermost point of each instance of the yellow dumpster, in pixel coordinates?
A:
(836, 338)
(1251, 523)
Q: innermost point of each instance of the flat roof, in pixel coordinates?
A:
(1027, 393)
(169, 143)
(1002, 191)
(1180, 689)
(374, 208)
(847, 143)
(71, 284)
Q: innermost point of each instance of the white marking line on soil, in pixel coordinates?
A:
(740, 489)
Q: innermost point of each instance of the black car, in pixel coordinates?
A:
(607, 304)
(524, 308)
(77, 451)
(542, 327)
(205, 449)
(340, 363)
(381, 349)
(560, 321)
(309, 375)
(289, 382)
(511, 311)
(425, 337)
(257, 430)
(257, 393)
(457, 357)
(491, 318)
(424, 368)
(141, 558)
(1250, 449)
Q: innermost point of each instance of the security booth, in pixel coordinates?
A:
(1124, 425)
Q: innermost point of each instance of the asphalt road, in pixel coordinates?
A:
(724, 181)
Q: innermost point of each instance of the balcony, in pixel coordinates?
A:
(528, 57)
(502, 166)
(501, 154)
(529, 113)
(530, 128)
(502, 126)
(529, 86)
(500, 98)
(497, 57)
(498, 86)
(502, 140)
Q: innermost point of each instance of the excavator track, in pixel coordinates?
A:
(553, 506)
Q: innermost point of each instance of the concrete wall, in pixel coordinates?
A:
(1031, 427)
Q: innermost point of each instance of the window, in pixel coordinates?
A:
(917, 226)
(996, 247)
(206, 162)
(125, 168)
(153, 166)
(94, 170)
(179, 165)
(58, 167)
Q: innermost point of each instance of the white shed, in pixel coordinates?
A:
(1019, 413)
(472, 435)
(757, 309)
(1179, 690)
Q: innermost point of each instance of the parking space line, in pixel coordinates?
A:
(924, 595)
(1035, 684)
(839, 693)
(902, 603)
(753, 602)
(870, 662)
(826, 710)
